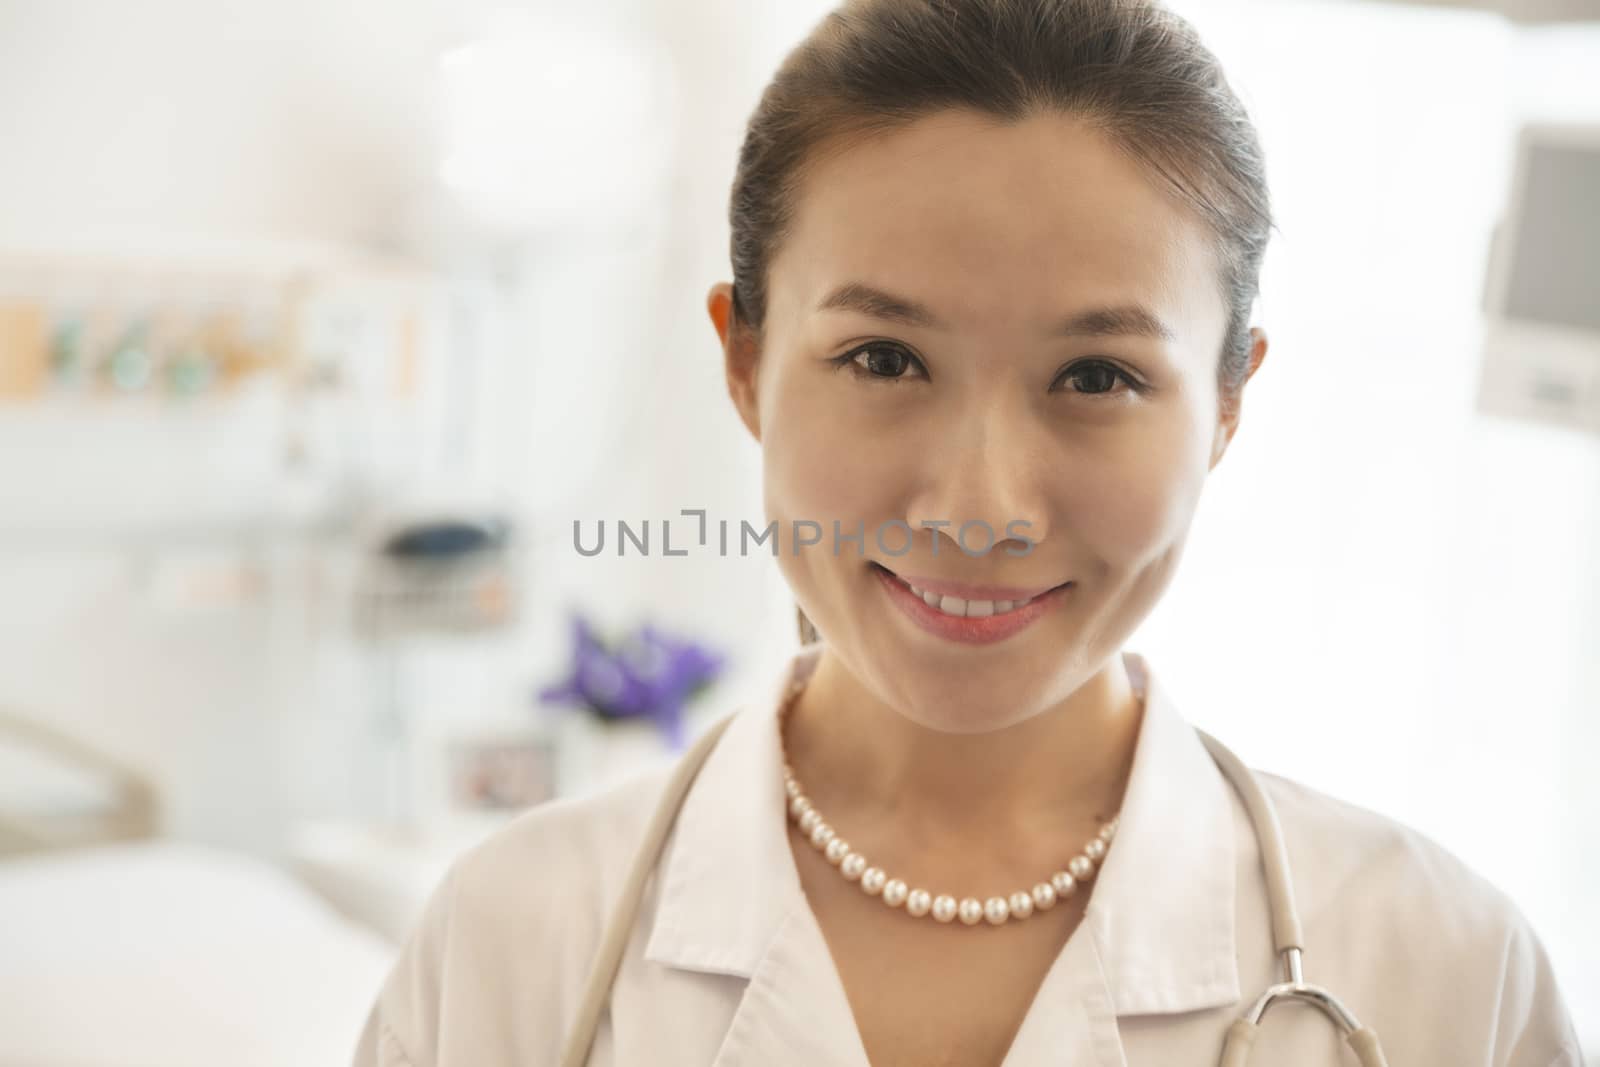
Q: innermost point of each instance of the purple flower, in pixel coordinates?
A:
(648, 675)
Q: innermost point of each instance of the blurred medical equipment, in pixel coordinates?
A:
(57, 793)
(426, 578)
(1541, 358)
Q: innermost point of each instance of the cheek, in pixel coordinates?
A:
(791, 461)
(795, 488)
(813, 473)
(1130, 505)
(813, 470)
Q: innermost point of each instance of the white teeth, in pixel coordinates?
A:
(972, 609)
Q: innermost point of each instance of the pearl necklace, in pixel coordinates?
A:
(894, 892)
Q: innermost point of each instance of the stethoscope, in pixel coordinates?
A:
(1286, 935)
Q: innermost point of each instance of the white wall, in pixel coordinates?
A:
(231, 117)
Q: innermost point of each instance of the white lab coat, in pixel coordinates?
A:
(726, 965)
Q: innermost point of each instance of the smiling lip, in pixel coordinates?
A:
(969, 629)
(973, 592)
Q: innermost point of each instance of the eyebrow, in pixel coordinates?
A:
(1126, 319)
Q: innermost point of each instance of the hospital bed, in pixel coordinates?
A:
(123, 948)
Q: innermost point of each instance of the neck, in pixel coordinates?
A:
(1070, 762)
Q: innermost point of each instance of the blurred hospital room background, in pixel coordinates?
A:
(322, 323)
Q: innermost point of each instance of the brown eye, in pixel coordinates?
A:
(885, 362)
(879, 362)
(1095, 378)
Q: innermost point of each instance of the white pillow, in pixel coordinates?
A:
(166, 954)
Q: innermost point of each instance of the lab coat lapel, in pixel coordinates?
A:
(1158, 934)
(727, 877)
(1072, 1020)
(731, 901)
(1164, 906)
(794, 1010)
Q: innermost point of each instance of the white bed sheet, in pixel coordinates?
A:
(166, 954)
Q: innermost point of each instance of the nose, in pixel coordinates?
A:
(986, 483)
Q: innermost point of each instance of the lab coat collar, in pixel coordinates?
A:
(727, 877)
(1163, 907)
(1161, 913)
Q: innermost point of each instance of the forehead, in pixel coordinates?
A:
(988, 223)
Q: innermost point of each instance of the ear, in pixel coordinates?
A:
(740, 357)
(1229, 408)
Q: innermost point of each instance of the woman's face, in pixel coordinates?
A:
(1007, 327)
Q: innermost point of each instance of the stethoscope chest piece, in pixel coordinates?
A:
(1242, 1034)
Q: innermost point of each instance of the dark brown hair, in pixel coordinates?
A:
(1132, 69)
